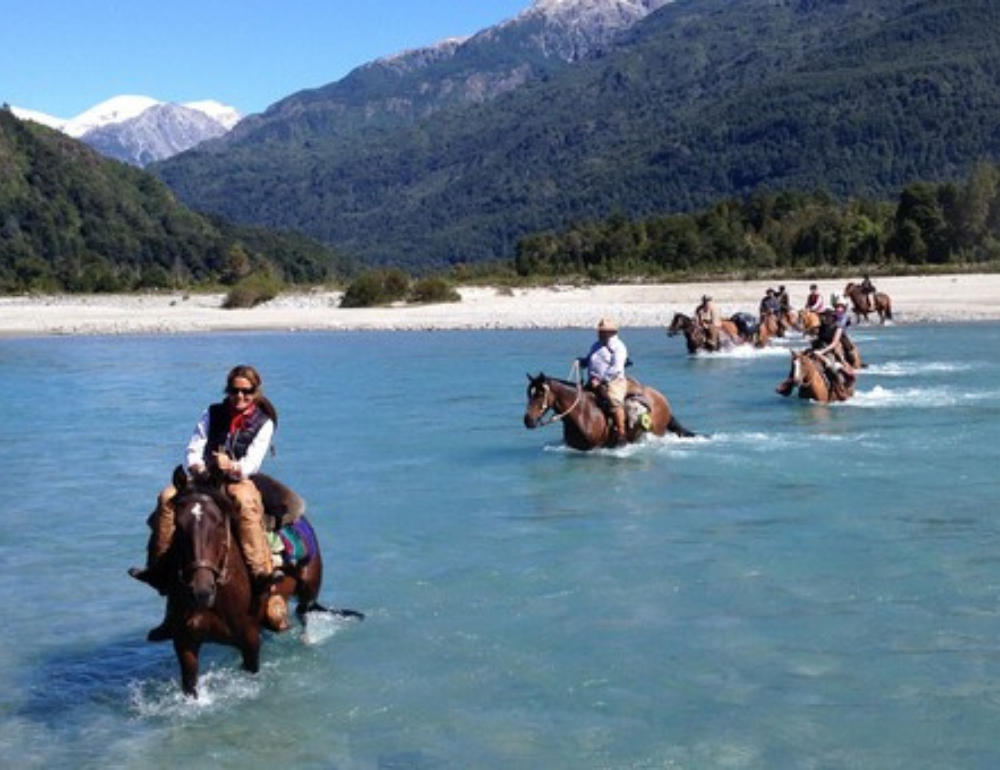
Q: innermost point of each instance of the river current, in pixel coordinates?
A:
(798, 586)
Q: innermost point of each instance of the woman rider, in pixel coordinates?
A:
(829, 345)
(232, 436)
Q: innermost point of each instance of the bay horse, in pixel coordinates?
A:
(808, 375)
(209, 593)
(863, 303)
(585, 424)
(697, 339)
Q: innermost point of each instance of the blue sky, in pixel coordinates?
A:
(61, 57)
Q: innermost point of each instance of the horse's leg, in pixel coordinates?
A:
(187, 656)
(249, 646)
(310, 579)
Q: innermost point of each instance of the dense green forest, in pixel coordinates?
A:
(71, 220)
(702, 101)
(931, 225)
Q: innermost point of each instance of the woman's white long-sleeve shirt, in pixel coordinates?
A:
(247, 465)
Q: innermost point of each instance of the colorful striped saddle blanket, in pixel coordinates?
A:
(295, 543)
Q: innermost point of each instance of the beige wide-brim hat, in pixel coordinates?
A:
(607, 325)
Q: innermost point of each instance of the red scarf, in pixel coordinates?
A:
(239, 419)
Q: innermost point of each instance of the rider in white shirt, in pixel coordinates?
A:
(606, 373)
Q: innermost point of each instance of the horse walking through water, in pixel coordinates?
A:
(808, 375)
(209, 593)
(697, 339)
(863, 303)
(807, 322)
(585, 424)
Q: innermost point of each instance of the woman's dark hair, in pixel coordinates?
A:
(247, 372)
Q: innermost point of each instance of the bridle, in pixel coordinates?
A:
(555, 417)
(221, 572)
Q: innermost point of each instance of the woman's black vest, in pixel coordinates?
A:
(219, 418)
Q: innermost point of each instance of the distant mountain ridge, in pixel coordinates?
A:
(452, 154)
(411, 85)
(139, 129)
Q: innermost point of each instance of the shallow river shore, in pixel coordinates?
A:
(942, 298)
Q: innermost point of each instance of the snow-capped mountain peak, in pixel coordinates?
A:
(217, 111)
(115, 110)
(140, 129)
(594, 9)
(39, 117)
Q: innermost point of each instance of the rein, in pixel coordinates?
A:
(574, 373)
(221, 572)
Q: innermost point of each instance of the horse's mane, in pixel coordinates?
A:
(206, 488)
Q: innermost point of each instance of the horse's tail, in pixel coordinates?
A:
(674, 426)
(347, 614)
(888, 307)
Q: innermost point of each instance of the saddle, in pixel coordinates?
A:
(638, 406)
(294, 544)
(288, 532)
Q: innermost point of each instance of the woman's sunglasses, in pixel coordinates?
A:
(243, 391)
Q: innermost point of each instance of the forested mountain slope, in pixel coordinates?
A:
(702, 100)
(73, 220)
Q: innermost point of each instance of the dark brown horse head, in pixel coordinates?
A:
(540, 400)
(858, 298)
(206, 548)
(680, 323)
(693, 332)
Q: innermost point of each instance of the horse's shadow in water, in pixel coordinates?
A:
(101, 677)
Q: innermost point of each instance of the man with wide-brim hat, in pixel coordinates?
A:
(606, 374)
(707, 316)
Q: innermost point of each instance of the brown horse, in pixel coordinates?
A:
(774, 325)
(769, 328)
(585, 424)
(209, 593)
(863, 303)
(697, 339)
(807, 322)
(808, 374)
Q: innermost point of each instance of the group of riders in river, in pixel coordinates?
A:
(706, 330)
(605, 408)
(832, 351)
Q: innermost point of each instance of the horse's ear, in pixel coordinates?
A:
(180, 478)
